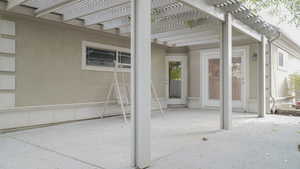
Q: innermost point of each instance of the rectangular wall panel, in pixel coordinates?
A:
(7, 100)
(7, 64)
(7, 82)
(7, 46)
(7, 27)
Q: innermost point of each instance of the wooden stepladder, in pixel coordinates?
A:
(121, 91)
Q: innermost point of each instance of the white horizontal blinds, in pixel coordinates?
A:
(100, 57)
(42, 4)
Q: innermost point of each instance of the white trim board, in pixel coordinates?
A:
(195, 103)
(13, 117)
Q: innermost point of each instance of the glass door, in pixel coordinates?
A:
(176, 79)
(212, 80)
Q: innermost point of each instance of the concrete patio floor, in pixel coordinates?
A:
(177, 143)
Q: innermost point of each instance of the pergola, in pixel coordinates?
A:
(173, 23)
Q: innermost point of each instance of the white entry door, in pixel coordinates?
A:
(212, 77)
(176, 77)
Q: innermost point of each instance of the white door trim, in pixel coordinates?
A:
(184, 87)
(215, 53)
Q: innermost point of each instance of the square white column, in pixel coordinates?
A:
(226, 73)
(141, 82)
(261, 78)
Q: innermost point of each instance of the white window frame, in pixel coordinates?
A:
(95, 45)
(285, 56)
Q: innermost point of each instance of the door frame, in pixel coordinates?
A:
(206, 54)
(184, 77)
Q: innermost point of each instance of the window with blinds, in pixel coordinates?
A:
(100, 57)
(104, 57)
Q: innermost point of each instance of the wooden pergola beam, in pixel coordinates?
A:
(13, 3)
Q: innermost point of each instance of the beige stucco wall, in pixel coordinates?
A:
(194, 73)
(48, 64)
(159, 70)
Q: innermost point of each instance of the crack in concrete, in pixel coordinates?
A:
(56, 152)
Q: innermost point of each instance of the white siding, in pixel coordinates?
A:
(7, 45)
(7, 82)
(7, 27)
(7, 63)
(7, 100)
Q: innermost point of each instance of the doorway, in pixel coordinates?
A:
(212, 77)
(176, 76)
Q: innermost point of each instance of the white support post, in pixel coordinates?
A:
(261, 78)
(141, 82)
(226, 65)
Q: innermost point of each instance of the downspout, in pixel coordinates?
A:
(271, 71)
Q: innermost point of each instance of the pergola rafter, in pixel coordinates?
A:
(196, 38)
(108, 14)
(111, 13)
(13, 3)
(52, 7)
(167, 15)
(88, 7)
(187, 35)
(211, 40)
(184, 31)
(116, 23)
(246, 16)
